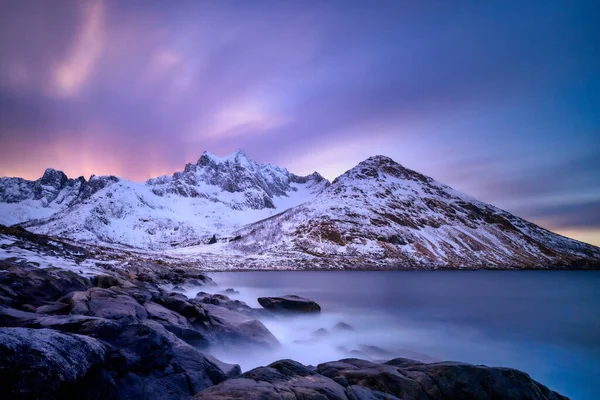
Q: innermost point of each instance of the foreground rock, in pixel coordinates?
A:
(134, 362)
(354, 379)
(289, 303)
(114, 336)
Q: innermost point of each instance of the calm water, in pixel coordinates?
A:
(545, 323)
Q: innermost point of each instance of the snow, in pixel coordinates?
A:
(14, 213)
(156, 216)
(33, 257)
(377, 214)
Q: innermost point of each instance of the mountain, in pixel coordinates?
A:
(22, 200)
(213, 196)
(378, 214)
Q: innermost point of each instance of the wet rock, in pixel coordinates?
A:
(105, 281)
(229, 291)
(354, 379)
(53, 308)
(134, 361)
(321, 332)
(289, 303)
(176, 324)
(43, 363)
(342, 326)
(180, 304)
(20, 285)
(230, 328)
(105, 303)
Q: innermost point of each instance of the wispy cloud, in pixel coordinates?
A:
(73, 72)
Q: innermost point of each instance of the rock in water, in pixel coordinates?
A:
(342, 326)
(289, 303)
(354, 379)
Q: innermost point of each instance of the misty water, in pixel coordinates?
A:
(546, 323)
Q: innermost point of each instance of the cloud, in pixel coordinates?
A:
(73, 72)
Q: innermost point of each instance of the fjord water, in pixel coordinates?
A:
(546, 323)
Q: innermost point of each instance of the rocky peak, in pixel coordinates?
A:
(95, 184)
(237, 157)
(254, 185)
(54, 178)
(378, 167)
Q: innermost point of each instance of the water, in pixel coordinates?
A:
(546, 323)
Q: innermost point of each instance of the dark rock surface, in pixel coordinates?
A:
(43, 363)
(354, 379)
(123, 339)
(289, 303)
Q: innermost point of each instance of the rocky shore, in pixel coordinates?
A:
(106, 332)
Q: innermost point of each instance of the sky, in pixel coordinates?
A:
(500, 100)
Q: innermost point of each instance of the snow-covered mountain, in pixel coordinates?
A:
(22, 200)
(213, 196)
(382, 214)
(376, 215)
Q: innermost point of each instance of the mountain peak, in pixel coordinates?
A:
(377, 167)
(53, 177)
(237, 156)
(380, 159)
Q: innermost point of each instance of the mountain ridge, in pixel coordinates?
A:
(376, 213)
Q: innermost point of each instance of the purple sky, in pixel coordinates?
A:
(501, 101)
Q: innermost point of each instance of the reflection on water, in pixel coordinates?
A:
(546, 323)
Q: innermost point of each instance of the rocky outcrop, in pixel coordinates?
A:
(354, 379)
(140, 361)
(289, 303)
(26, 288)
(123, 339)
(43, 363)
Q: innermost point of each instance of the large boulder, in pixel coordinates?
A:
(43, 363)
(27, 288)
(128, 361)
(231, 328)
(289, 303)
(354, 379)
(285, 379)
(105, 303)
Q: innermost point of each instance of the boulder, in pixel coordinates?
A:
(289, 303)
(105, 281)
(25, 287)
(177, 324)
(43, 363)
(128, 361)
(229, 291)
(105, 303)
(181, 304)
(231, 328)
(342, 326)
(354, 379)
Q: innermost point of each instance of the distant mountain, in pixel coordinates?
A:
(215, 195)
(379, 214)
(382, 214)
(22, 200)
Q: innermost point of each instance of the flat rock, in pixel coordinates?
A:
(289, 303)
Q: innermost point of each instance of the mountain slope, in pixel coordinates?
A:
(214, 196)
(380, 213)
